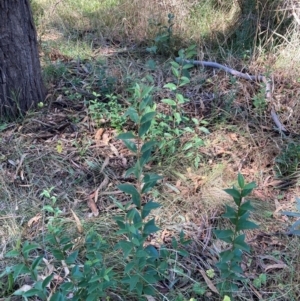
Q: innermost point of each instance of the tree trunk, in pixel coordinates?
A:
(21, 84)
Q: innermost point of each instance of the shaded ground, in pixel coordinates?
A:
(66, 145)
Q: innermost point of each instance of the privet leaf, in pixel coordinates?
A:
(169, 101)
(239, 243)
(133, 114)
(130, 145)
(148, 117)
(144, 128)
(130, 189)
(127, 135)
(148, 145)
(241, 181)
(148, 207)
(170, 86)
(150, 227)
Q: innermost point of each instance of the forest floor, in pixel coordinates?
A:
(65, 154)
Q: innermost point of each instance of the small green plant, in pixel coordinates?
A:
(259, 100)
(170, 127)
(54, 71)
(229, 264)
(111, 112)
(87, 280)
(163, 41)
(145, 265)
(295, 228)
(90, 277)
(260, 281)
(288, 161)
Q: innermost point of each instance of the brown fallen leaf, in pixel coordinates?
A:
(98, 135)
(114, 150)
(78, 222)
(233, 136)
(275, 266)
(34, 220)
(105, 138)
(91, 203)
(278, 265)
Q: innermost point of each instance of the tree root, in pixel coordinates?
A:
(259, 78)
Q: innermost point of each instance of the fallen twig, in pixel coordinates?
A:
(260, 78)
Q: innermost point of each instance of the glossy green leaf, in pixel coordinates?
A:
(144, 128)
(149, 182)
(188, 66)
(251, 186)
(133, 114)
(239, 243)
(129, 266)
(150, 227)
(29, 247)
(139, 288)
(246, 206)
(204, 129)
(246, 192)
(152, 251)
(148, 117)
(132, 281)
(20, 269)
(180, 98)
(48, 208)
(188, 145)
(47, 280)
(146, 91)
(244, 224)
(72, 257)
(36, 262)
(58, 254)
(226, 256)
(146, 101)
(146, 156)
(148, 145)
(58, 297)
(241, 181)
(130, 145)
(12, 253)
(127, 135)
(230, 212)
(148, 289)
(76, 273)
(170, 86)
(174, 64)
(175, 72)
(183, 81)
(128, 188)
(125, 246)
(148, 207)
(235, 194)
(221, 234)
(169, 101)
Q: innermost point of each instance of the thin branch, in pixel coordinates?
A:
(246, 76)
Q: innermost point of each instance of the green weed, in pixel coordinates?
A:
(288, 161)
(230, 259)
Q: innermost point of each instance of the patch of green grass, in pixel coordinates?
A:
(288, 161)
(54, 71)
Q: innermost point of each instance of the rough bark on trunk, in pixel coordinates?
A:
(21, 84)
